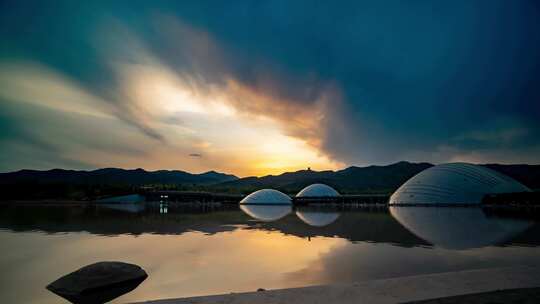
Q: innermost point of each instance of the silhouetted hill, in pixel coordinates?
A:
(371, 179)
(71, 184)
(113, 176)
(529, 175)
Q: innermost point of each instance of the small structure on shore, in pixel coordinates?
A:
(266, 197)
(99, 282)
(454, 183)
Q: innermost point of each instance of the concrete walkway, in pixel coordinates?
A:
(396, 290)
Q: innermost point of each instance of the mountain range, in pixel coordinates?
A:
(370, 179)
(114, 176)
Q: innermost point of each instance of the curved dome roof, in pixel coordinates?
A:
(454, 183)
(266, 213)
(316, 218)
(458, 228)
(267, 197)
(317, 190)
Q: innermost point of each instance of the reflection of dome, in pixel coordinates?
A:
(454, 183)
(266, 213)
(317, 190)
(458, 228)
(316, 218)
(268, 197)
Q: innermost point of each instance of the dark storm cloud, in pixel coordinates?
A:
(417, 77)
(417, 80)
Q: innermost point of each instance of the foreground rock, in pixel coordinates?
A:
(99, 282)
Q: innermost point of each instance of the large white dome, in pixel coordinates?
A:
(267, 197)
(454, 183)
(317, 190)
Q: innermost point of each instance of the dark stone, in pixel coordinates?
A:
(99, 282)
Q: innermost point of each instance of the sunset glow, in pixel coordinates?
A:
(167, 90)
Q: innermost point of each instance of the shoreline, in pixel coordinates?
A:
(430, 287)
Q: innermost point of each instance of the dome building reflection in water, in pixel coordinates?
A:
(458, 228)
(266, 213)
(266, 205)
(270, 205)
(455, 227)
(317, 217)
(448, 186)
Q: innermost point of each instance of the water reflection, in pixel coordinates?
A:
(163, 208)
(126, 207)
(316, 216)
(458, 228)
(194, 248)
(129, 199)
(402, 226)
(266, 213)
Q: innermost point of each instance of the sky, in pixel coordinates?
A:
(264, 87)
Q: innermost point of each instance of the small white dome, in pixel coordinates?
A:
(267, 197)
(454, 183)
(266, 213)
(317, 190)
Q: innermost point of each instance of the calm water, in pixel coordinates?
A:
(199, 251)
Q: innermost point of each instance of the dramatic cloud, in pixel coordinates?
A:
(266, 87)
(160, 110)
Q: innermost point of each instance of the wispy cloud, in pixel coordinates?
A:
(201, 104)
(263, 88)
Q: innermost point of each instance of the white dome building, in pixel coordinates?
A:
(267, 197)
(318, 190)
(454, 183)
(266, 213)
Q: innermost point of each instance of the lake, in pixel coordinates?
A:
(191, 250)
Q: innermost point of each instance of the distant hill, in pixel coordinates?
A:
(114, 176)
(371, 179)
(529, 175)
(72, 184)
